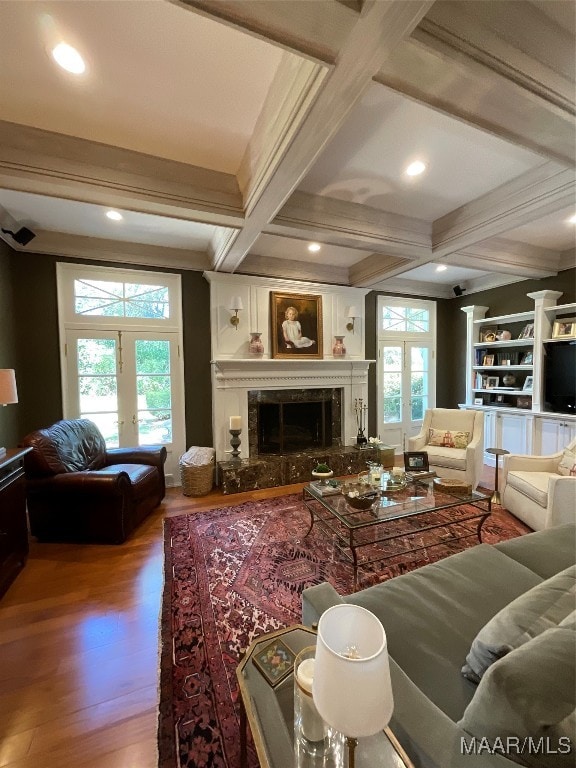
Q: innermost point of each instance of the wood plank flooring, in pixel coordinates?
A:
(79, 647)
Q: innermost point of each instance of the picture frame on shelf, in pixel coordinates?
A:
(296, 325)
(527, 332)
(478, 401)
(492, 382)
(528, 383)
(527, 358)
(488, 333)
(524, 401)
(488, 360)
(564, 329)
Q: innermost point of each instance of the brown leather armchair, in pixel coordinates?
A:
(77, 490)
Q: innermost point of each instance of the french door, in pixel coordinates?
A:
(129, 384)
(405, 384)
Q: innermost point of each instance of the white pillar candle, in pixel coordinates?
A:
(235, 422)
(312, 723)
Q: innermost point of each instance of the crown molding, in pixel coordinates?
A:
(297, 270)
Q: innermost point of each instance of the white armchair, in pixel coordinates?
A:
(458, 463)
(534, 491)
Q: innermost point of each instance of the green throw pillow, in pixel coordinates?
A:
(525, 703)
(540, 608)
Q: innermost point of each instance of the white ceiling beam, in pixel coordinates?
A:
(101, 249)
(465, 60)
(293, 270)
(339, 222)
(316, 28)
(508, 257)
(379, 28)
(537, 193)
(376, 267)
(45, 163)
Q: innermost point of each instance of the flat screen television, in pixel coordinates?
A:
(560, 376)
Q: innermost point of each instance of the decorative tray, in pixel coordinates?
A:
(455, 487)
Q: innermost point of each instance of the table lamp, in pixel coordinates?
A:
(352, 689)
(8, 392)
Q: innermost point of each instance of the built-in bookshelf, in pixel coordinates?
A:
(505, 374)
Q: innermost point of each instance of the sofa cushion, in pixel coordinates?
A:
(530, 693)
(453, 458)
(540, 608)
(448, 438)
(432, 614)
(534, 550)
(534, 485)
(453, 419)
(567, 464)
(143, 478)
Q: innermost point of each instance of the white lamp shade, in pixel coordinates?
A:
(8, 391)
(352, 695)
(235, 303)
(353, 312)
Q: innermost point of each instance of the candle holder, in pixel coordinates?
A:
(235, 443)
(360, 411)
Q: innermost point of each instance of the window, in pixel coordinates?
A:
(109, 299)
(405, 319)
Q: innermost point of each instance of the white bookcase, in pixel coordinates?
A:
(505, 376)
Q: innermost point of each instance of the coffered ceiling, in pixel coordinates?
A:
(231, 133)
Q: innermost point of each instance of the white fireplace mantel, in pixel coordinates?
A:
(233, 379)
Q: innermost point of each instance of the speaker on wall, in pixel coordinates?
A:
(458, 290)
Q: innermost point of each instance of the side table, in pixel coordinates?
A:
(269, 711)
(496, 452)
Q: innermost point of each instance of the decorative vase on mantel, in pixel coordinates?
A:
(338, 350)
(256, 347)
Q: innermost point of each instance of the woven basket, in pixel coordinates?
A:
(197, 481)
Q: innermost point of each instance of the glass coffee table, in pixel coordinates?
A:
(269, 711)
(398, 523)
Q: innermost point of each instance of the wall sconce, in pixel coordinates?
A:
(8, 391)
(352, 315)
(235, 305)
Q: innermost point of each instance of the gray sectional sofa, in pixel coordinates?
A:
(431, 616)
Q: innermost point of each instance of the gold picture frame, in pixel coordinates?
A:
(296, 325)
(564, 329)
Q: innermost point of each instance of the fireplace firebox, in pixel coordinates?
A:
(291, 421)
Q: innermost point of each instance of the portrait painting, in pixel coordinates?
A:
(296, 325)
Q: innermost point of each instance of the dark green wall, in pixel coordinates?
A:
(35, 311)
(9, 415)
(500, 301)
(29, 341)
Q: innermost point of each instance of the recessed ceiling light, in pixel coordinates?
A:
(441, 268)
(572, 219)
(68, 58)
(416, 168)
(114, 215)
(314, 247)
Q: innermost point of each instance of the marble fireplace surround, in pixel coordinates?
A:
(234, 379)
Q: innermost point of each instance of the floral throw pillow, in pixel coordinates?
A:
(567, 466)
(448, 438)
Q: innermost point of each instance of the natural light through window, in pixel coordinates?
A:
(119, 299)
(405, 319)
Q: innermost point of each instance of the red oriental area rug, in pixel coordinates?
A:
(232, 574)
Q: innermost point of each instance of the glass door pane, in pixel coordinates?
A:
(97, 382)
(392, 383)
(419, 381)
(154, 391)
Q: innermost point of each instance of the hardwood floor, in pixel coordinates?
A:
(79, 647)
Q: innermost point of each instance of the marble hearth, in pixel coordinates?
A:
(234, 383)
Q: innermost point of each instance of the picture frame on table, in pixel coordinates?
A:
(528, 383)
(416, 461)
(296, 325)
(564, 329)
(492, 382)
(275, 661)
(527, 358)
